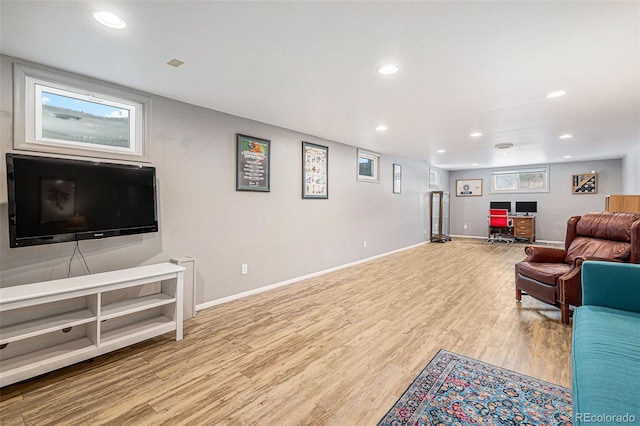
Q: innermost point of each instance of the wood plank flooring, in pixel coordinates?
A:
(338, 349)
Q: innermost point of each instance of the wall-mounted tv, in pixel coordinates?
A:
(526, 207)
(53, 200)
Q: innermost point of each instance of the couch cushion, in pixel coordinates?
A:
(593, 247)
(547, 273)
(606, 362)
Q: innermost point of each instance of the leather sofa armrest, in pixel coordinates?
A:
(570, 288)
(578, 261)
(542, 254)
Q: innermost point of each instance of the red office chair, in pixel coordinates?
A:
(499, 222)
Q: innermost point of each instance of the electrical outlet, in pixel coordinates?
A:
(425, 231)
(465, 227)
(364, 244)
(245, 269)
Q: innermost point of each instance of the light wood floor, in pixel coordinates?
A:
(337, 349)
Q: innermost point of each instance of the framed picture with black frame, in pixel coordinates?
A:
(253, 158)
(315, 171)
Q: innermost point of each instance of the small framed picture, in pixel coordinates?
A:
(586, 183)
(253, 157)
(397, 178)
(315, 171)
(468, 187)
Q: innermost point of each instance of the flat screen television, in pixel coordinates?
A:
(53, 200)
(526, 207)
(502, 205)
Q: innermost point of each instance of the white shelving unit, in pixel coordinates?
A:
(48, 325)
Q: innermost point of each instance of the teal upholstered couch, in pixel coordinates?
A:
(606, 345)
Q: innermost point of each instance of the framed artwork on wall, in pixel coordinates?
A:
(315, 171)
(468, 187)
(397, 178)
(253, 157)
(586, 183)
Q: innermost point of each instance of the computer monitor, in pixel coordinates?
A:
(503, 205)
(526, 207)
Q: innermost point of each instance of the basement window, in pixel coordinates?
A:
(535, 179)
(368, 166)
(61, 113)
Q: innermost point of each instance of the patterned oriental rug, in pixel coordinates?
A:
(456, 390)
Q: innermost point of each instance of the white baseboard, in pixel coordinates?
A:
(259, 290)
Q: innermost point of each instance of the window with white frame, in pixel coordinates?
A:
(368, 166)
(534, 179)
(58, 112)
(434, 178)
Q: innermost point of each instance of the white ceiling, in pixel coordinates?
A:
(311, 67)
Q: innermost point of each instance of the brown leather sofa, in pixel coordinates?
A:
(552, 275)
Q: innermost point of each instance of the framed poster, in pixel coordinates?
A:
(253, 156)
(586, 183)
(315, 171)
(468, 187)
(397, 178)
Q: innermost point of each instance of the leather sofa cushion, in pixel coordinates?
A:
(607, 226)
(593, 247)
(547, 273)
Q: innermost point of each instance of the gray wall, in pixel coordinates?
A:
(631, 172)
(279, 235)
(554, 207)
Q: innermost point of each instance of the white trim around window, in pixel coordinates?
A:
(368, 166)
(57, 112)
(522, 180)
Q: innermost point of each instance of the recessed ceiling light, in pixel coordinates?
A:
(388, 69)
(440, 151)
(567, 156)
(557, 93)
(474, 164)
(566, 136)
(475, 134)
(381, 128)
(109, 19)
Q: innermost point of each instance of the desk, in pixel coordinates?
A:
(523, 227)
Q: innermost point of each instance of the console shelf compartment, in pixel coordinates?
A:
(137, 304)
(153, 326)
(36, 327)
(38, 362)
(53, 324)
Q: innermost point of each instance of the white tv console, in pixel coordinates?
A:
(48, 325)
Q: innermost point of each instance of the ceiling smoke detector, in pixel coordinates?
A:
(505, 145)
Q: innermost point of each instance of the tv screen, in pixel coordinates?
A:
(53, 200)
(526, 207)
(503, 205)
